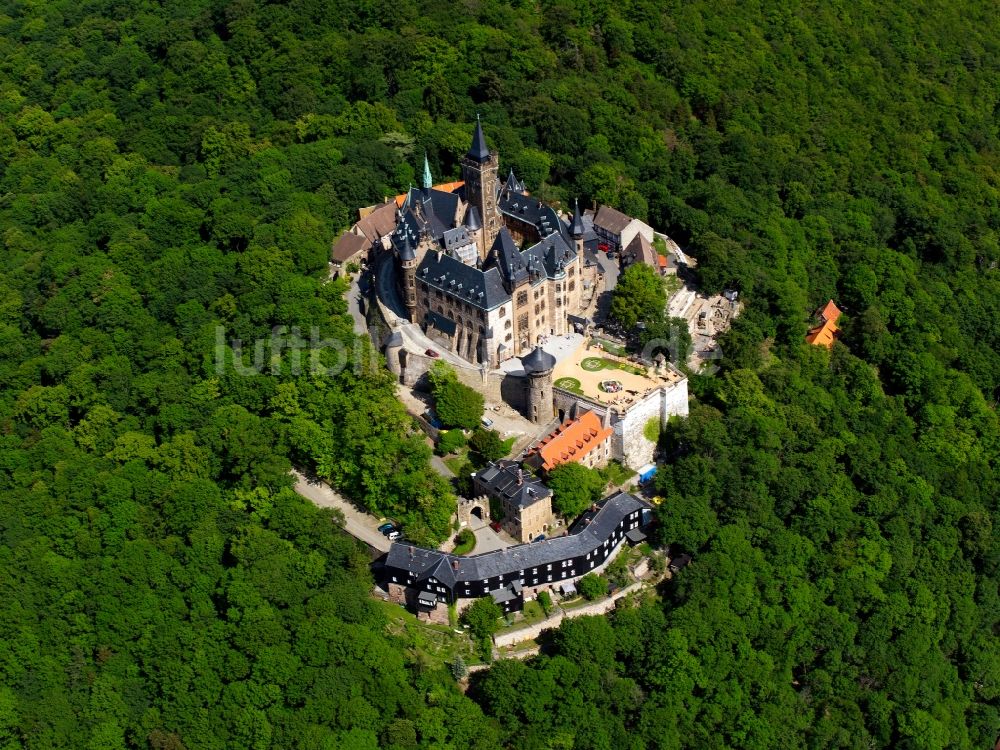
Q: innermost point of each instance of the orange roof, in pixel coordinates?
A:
(823, 335)
(830, 312)
(444, 187)
(572, 440)
(663, 261)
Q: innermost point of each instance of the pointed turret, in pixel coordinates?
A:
(472, 222)
(478, 151)
(406, 251)
(428, 181)
(576, 227)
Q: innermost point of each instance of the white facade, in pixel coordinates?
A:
(629, 443)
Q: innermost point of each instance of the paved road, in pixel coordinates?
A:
(356, 523)
(438, 464)
(355, 302)
(610, 269)
(487, 540)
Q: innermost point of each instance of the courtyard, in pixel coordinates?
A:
(601, 376)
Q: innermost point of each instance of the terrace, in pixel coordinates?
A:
(606, 378)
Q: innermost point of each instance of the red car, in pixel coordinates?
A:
(495, 526)
(432, 353)
(603, 247)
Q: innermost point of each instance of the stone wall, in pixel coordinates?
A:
(407, 597)
(465, 508)
(604, 606)
(629, 443)
(492, 384)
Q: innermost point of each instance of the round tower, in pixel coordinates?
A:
(408, 264)
(538, 366)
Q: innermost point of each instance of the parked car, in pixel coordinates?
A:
(539, 538)
(603, 247)
(394, 535)
(486, 422)
(387, 527)
(495, 525)
(432, 353)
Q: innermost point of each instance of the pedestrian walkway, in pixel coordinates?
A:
(357, 523)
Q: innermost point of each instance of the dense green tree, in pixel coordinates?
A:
(574, 487)
(487, 445)
(456, 404)
(592, 586)
(483, 618)
(639, 296)
(171, 177)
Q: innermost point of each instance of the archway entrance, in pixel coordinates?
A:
(478, 512)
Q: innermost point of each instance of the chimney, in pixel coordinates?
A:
(520, 477)
(454, 565)
(411, 553)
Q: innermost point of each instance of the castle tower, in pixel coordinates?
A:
(408, 264)
(538, 367)
(479, 170)
(577, 230)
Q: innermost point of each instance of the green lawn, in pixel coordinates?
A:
(456, 462)
(569, 384)
(467, 543)
(610, 346)
(593, 364)
(617, 474)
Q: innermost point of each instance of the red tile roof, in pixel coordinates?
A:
(572, 440)
(823, 335)
(830, 312)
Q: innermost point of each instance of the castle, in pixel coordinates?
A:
(465, 277)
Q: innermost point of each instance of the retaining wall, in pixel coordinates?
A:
(595, 608)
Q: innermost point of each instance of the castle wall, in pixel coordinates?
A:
(495, 386)
(629, 443)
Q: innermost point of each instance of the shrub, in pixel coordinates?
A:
(592, 586)
(545, 600)
(487, 445)
(450, 442)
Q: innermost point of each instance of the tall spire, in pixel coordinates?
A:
(479, 151)
(576, 227)
(428, 181)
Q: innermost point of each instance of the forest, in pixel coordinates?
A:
(171, 178)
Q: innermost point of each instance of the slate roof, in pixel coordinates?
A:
(538, 360)
(576, 226)
(611, 220)
(443, 324)
(478, 151)
(552, 254)
(482, 289)
(348, 246)
(505, 256)
(531, 211)
(586, 535)
(472, 220)
(512, 183)
(456, 238)
(507, 480)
